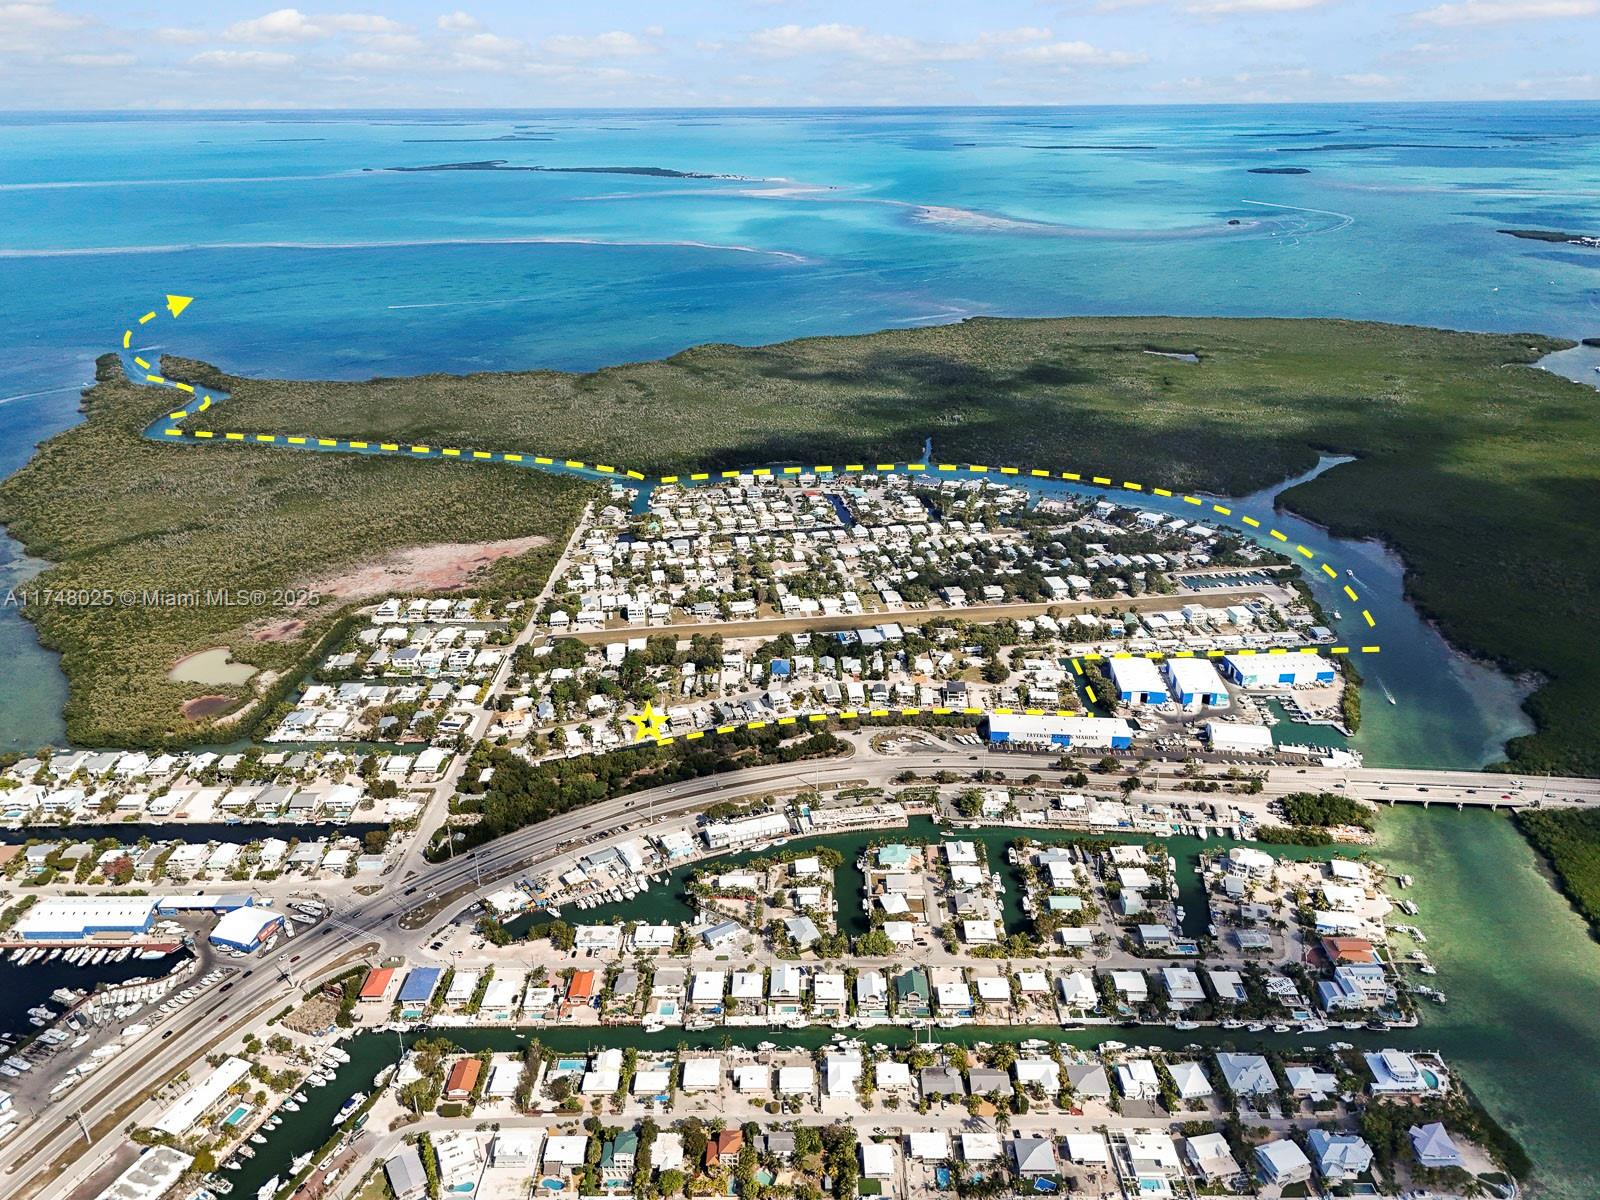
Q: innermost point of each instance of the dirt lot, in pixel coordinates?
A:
(442, 566)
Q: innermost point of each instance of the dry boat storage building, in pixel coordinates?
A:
(1195, 683)
(246, 929)
(72, 919)
(1276, 670)
(1043, 732)
(1138, 681)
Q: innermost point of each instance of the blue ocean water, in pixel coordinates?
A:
(311, 258)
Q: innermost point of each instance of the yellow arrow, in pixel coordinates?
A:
(176, 304)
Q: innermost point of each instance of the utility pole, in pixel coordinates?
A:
(82, 1128)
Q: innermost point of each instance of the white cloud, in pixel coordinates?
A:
(491, 44)
(1370, 80)
(242, 58)
(181, 37)
(459, 22)
(280, 25)
(96, 60)
(25, 18)
(361, 23)
(1076, 54)
(1226, 7)
(1026, 44)
(616, 44)
(1495, 12)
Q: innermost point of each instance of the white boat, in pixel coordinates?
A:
(269, 1189)
(290, 1106)
(348, 1107)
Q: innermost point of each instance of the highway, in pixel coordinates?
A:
(47, 1157)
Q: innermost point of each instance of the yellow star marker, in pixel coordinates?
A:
(648, 724)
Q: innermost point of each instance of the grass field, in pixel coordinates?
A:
(1481, 470)
(117, 514)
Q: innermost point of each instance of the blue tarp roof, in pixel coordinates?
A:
(420, 983)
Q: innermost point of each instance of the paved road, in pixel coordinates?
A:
(358, 922)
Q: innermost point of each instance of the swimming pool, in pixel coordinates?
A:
(551, 1185)
(238, 1114)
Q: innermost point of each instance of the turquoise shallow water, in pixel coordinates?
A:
(310, 259)
(308, 264)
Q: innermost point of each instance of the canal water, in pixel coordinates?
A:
(21, 988)
(669, 900)
(1516, 962)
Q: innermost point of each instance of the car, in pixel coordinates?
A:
(225, 987)
(295, 959)
(166, 1033)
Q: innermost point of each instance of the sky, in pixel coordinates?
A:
(100, 54)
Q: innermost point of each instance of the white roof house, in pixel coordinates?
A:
(702, 1074)
(1247, 1074)
(979, 1147)
(928, 1145)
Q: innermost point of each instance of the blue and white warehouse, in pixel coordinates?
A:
(1195, 683)
(246, 928)
(1277, 670)
(1138, 681)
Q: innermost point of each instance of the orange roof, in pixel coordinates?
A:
(727, 1142)
(582, 986)
(376, 983)
(1348, 950)
(463, 1077)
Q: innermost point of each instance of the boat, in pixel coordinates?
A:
(338, 1055)
(259, 1139)
(269, 1189)
(245, 1152)
(232, 1166)
(290, 1106)
(300, 1098)
(1186, 1024)
(1256, 1027)
(348, 1107)
(298, 1163)
(1280, 1028)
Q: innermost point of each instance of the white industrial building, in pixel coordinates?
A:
(246, 929)
(1195, 683)
(73, 919)
(1138, 681)
(1228, 737)
(1020, 729)
(1277, 670)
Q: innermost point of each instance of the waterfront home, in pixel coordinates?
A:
(797, 1081)
(828, 994)
(1396, 1073)
(912, 993)
(1190, 1080)
(1246, 1074)
(463, 1079)
(1432, 1145)
(928, 1145)
(1131, 986)
(872, 994)
(708, 988)
(941, 1081)
(891, 1076)
(841, 1074)
(1088, 1081)
(702, 1074)
(1183, 987)
(1282, 1162)
(1339, 1156)
(1077, 992)
(985, 1081)
(1138, 1080)
(564, 1153)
